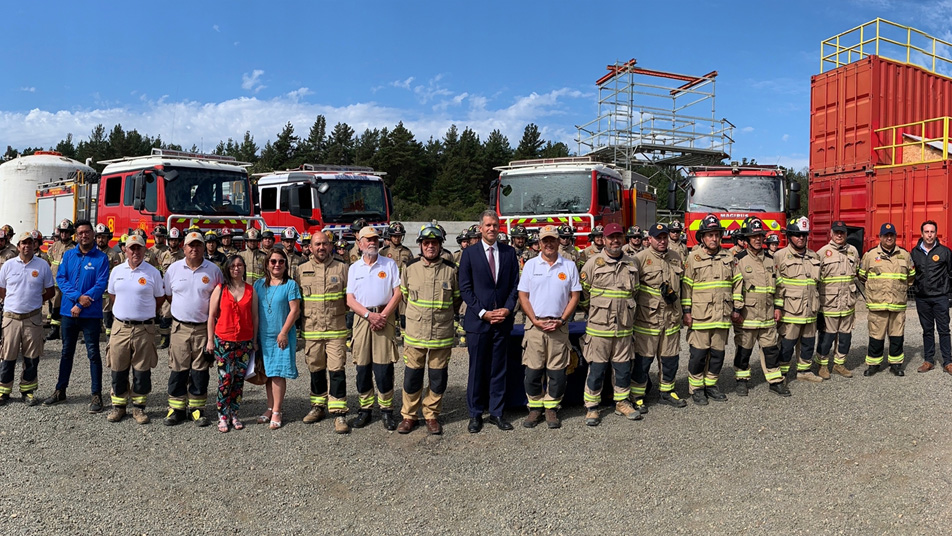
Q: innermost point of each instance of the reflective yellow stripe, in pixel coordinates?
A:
(322, 335)
(605, 333)
(330, 296)
(797, 282)
(608, 293)
(434, 343)
(649, 290)
(837, 279)
(711, 325)
(176, 404)
(431, 304)
(798, 320)
(712, 284)
(900, 277)
(742, 374)
(758, 324)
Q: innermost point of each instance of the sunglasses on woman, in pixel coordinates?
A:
(276, 261)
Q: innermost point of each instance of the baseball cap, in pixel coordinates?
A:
(367, 232)
(887, 228)
(549, 231)
(613, 228)
(136, 240)
(838, 225)
(657, 230)
(24, 236)
(189, 238)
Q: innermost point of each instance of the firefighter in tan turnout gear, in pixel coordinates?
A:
(675, 234)
(657, 317)
(430, 287)
(171, 255)
(755, 315)
(323, 282)
(609, 280)
(254, 258)
(888, 272)
(839, 262)
(798, 271)
(708, 289)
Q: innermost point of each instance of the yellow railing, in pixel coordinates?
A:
(888, 40)
(919, 142)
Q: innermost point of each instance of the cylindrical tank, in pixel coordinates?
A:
(19, 179)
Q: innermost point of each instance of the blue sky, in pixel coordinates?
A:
(202, 71)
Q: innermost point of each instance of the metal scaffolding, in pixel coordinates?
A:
(648, 117)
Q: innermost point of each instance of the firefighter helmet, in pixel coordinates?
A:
(634, 231)
(358, 224)
(101, 229)
(708, 224)
(253, 235)
(566, 231)
(519, 231)
(533, 237)
(289, 233)
(799, 225)
(267, 234)
(160, 231)
(305, 239)
(341, 244)
(473, 232)
(66, 225)
(396, 229)
(431, 232)
(123, 239)
(675, 226)
(140, 232)
(772, 238)
(753, 226)
(175, 233)
(597, 231)
(211, 235)
(461, 237)
(502, 238)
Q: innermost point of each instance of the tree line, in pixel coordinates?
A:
(443, 179)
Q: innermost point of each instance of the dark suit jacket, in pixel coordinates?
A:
(478, 289)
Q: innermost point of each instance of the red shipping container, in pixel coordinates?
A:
(849, 103)
(904, 196)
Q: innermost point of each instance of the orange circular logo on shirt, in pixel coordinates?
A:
(205, 279)
(829, 253)
(35, 273)
(381, 275)
(935, 258)
(562, 276)
(142, 281)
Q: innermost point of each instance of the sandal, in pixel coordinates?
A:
(265, 417)
(223, 424)
(237, 424)
(275, 420)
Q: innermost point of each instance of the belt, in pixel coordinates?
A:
(376, 309)
(548, 318)
(20, 316)
(193, 324)
(136, 322)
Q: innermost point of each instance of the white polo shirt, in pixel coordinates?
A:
(373, 285)
(25, 283)
(549, 287)
(136, 290)
(190, 289)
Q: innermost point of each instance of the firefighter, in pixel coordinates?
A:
(635, 241)
(519, 236)
(172, 254)
(65, 231)
(254, 258)
(755, 313)
(597, 239)
(549, 291)
(226, 246)
(676, 239)
(355, 228)
(267, 243)
(445, 253)
(25, 283)
(463, 244)
(534, 247)
(772, 243)
(136, 290)
(888, 272)
(340, 251)
(708, 288)
(212, 250)
(609, 280)
(289, 238)
(657, 317)
(154, 254)
(503, 238)
(567, 247)
(9, 249)
(798, 272)
(306, 246)
(103, 235)
(38, 243)
(323, 282)
(740, 241)
(839, 262)
(473, 234)
(396, 250)
(430, 287)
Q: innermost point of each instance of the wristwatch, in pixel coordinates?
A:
(367, 315)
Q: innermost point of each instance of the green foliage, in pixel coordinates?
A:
(530, 146)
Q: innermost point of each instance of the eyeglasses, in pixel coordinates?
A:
(276, 261)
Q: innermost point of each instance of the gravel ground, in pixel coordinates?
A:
(857, 456)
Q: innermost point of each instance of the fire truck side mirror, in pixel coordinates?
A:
(299, 200)
(672, 196)
(794, 196)
(138, 190)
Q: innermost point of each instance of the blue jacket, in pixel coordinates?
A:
(80, 275)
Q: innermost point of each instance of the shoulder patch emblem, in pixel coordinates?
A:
(829, 253)
(333, 279)
(390, 255)
(877, 259)
(583, 276)
(934, 257)
(748, 269)
(562, 276)
(353, 258)
(648, 262)
(599, 262)
(697, 258)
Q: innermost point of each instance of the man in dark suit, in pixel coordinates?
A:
(488, 281)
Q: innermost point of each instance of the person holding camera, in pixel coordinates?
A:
(657, 318)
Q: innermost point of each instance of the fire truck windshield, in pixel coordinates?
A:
(206, 191)
(545, 193)
(346, 200)
(736, 193)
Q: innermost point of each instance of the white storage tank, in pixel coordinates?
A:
(19, 179)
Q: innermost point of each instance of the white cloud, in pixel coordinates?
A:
(747, 129)
(405, 84)
(206, 123)
(28, 89)
(216, 28)
(785, 137)
(252, 83)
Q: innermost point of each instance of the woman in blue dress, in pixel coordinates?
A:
(279, 302)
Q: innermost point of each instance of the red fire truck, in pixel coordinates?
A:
(171, 188)
(579, 191)
(735, 192)
(325, 197)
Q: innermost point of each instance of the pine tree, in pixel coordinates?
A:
(530, 146)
